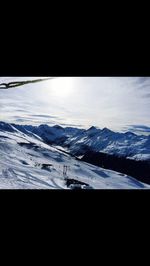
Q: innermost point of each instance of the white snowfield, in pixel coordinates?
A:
(127, 144)
(26, 162)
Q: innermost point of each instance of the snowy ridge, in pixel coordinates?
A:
(77, 141)
(26, 162)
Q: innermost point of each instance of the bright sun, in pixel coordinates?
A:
(62, 86)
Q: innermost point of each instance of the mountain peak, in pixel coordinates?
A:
(57, 127)
(129, 133)
(92, 128)
(105, 129)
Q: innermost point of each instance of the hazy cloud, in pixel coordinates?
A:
(101, 101)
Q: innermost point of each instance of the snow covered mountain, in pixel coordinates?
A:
(28, 162)
(78, 141)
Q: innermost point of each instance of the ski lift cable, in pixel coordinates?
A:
(20, 83)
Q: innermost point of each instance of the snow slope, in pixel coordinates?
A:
(26, 162)
(77, 140)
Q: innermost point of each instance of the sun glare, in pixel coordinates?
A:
(62, 86)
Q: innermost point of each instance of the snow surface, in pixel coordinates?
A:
(126, 144)
(24, 154)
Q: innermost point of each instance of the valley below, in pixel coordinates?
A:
(44, 157)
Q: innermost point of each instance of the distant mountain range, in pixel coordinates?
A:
(79, 141)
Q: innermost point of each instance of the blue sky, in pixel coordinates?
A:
(117, 103)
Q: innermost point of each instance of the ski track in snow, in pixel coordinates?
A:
(22, 159)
